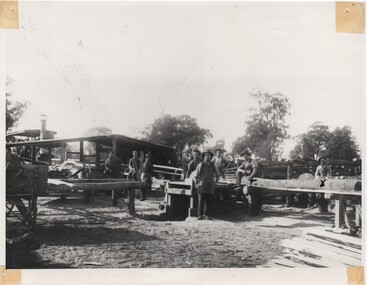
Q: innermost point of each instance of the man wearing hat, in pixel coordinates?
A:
(193, 163)
(220, 161)
(206, 172)
(248, 168)
(112, 169)
(146, 176)
(323, 171)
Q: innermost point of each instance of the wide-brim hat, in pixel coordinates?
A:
(196, 150)
(211, 154)
(321, 157)
(245, 152)
(218, 149)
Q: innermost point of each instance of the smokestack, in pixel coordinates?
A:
(43, 134)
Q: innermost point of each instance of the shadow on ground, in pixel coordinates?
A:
(81, 236)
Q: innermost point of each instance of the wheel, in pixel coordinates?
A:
(21, 198)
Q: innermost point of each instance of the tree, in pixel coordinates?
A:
(266, 128)
(90, 148)
(176, 131)
(219, 144)
(319, 141)
(14, 111)
(297, 153)
(312, 145)
(98, 131)
(342, 144)
(239, 145)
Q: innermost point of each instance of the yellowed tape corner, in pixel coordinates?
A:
(350, 17)
(10, 277)
(9, 14)
(355, 275)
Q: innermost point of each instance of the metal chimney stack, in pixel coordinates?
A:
(43, 134)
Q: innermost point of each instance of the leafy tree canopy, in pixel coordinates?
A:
(14, 111)
(266, 127)
(319, 141)
(176, 131)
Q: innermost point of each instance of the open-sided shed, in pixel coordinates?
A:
(121, 145)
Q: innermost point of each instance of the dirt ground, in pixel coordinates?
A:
(74, 234)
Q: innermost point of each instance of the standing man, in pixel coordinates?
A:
(146, 176)
(323, 171)
(186, 158)
(134, 173)
(113, 169)
(220, 162)
(206, 172)
(193, 163)
(134, 167)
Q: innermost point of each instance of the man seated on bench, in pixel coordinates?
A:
(248, 168)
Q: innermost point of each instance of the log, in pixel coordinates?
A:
(109, 186)
(104, 180)
(93, 184)
(168, 168)
(315, 184)
(352, 195)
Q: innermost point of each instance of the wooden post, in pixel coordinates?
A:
(98, 154)
(290, 197)
(339, 212)
(114, 145)
(131, 200)
(49, 156)
(62, 153)
(81, 151)
(33, 154)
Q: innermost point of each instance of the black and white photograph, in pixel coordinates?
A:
(193, 135)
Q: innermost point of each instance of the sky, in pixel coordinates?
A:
(88, 64)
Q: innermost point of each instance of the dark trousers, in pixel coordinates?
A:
(204, 203)
(147, 180)
(239, 176)
(115, 195)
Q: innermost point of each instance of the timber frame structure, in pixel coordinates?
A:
(121, 145)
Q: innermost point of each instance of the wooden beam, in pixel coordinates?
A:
(62, 152)
(114, 145)
(49, 155)
(106, 186)
(339, 213)
(33, 154)
(176, 191)
(98, 154)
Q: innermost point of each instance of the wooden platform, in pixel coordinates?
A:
(319, 248)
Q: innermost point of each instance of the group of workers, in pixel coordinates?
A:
(139, 170)
(207, 170)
